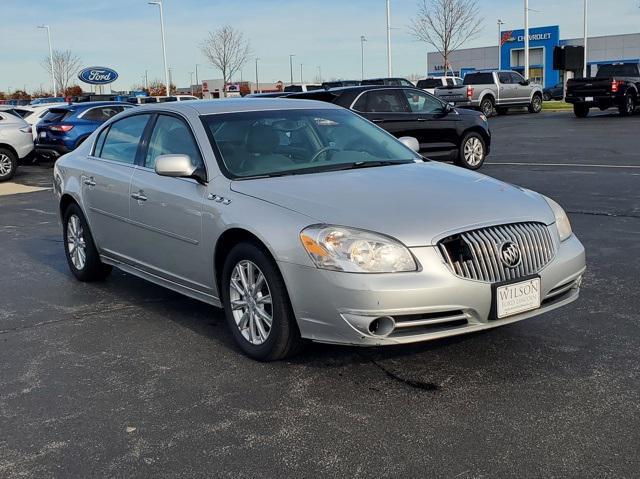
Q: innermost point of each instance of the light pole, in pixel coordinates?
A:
(585, 68)
(291, 65)
(164, 47)
(362, 40)
(319, 74)
(301, 81)
(53, 76)
(526, 39)
(146, 80)
(191, 82)
(500, 23)
(389, 67)
(257, 81)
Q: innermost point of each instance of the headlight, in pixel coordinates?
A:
(355, 251)
(562, 220)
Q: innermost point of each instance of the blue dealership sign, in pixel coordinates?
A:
(98, 75)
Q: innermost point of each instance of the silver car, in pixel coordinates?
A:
(305, 221)
(16, 143)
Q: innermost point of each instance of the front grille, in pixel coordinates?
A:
(476, 254)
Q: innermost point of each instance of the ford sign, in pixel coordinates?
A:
(98, 75)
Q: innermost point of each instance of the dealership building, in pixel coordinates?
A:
(542, 41)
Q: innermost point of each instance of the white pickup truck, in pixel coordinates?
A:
(429, 84)
(489, 91)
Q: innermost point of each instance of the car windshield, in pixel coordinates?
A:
(285, 142)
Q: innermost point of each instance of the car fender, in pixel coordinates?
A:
(485, 92)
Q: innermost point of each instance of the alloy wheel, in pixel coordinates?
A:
(251, 305)
(537, 104)
(5, 165)
(630, 104)
(76, 245)
(473, 151)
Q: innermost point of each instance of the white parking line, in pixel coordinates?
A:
(579, 165)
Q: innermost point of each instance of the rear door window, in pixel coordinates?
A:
(504, 78)
(384, 101)
(123, 138)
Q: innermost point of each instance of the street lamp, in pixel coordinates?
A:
(291, 66)
(500, 23)
(191, 82)
(301, 81)
(319, 74)
(257, 81)
(584, 70)
(362, 40)
(53, 76)
(389, 67)
(526, 39)
(164, 48)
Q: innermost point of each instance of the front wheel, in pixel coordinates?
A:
(8, 164)
(581, 111)
(536, 104)
(547, 97)
(472, 152)
(628, 106)
(257, 306)
(82, 256)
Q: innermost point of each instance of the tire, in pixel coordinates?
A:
(253, 334)
(536, 104)
(8, 164)
(580, 110)
(546, 97)
(486, 106)
(628, 106)
(502, 110)
(78, 242)
(472, 151)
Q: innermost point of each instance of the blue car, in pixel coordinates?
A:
(64, 128)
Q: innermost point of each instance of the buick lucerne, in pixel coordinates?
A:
(304, 221)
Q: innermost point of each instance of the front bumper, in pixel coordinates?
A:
(335, 307)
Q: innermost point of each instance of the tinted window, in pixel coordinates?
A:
(478, 79)
(422, 102)
(171, 136)
(122, 139)
(450, 82)
(504, 77)
(102, 113)
(429, 83)
(516, 78)
(381, 101)
(293, 88)
(56, 115)
(406, 83)
(621, 70)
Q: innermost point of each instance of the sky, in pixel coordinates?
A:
(125, 35)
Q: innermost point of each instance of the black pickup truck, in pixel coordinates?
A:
(615, 85)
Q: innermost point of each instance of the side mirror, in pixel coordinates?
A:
(178, 166)
(448, 108)
(410, 142)
(525, 83)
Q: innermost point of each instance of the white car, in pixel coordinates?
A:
(37, 113)
(430, 84)
(16, 143)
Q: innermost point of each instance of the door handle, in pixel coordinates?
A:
(89, 181)
(139, 196)
(377, 120)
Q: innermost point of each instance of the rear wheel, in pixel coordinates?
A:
(82, 256)
(536, 104)
(628, 105)
(472, 152)
(486, 106)
(546, 97)
(580, 110)
(257, 306)
(8, 164)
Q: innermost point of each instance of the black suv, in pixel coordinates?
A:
(443, 132)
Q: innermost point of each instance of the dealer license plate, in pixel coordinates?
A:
(517, 298)
(589, 98)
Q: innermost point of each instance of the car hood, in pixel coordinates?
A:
(417, 203)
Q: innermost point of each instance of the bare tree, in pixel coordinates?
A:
(227, 50)
(446, 24)
(65, 66)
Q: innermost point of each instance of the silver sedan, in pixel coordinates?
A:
(306, 222)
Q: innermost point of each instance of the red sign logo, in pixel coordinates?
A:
(507, 37)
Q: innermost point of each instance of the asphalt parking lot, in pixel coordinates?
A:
(126, 379)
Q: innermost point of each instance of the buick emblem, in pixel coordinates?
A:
(510, 254)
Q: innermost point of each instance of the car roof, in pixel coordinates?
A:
(89, 104)
(234, 105)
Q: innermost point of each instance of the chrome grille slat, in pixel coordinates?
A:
(476, 254)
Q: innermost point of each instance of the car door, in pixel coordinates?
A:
(522, 92)
(166, 212)
(434, 128)
(507, 89)
(106, 181)
(387, 108)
